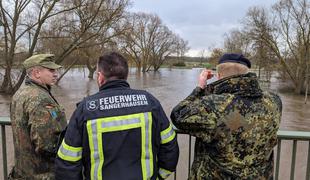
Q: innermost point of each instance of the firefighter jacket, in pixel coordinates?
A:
(118, 133)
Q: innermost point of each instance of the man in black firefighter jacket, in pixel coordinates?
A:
(118, 133)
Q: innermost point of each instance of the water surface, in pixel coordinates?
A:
(170, 86)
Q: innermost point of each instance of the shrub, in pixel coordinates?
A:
(179, 63)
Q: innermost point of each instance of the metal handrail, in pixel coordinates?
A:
(4, 121)
(294, 136)
(282, 135)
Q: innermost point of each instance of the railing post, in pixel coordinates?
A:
(189, 155)
(278, 159)
(5, 169)
(293, 159)
(308, 163)
(175, 175)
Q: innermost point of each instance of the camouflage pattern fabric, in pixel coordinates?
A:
(37, 120)
(235, 124)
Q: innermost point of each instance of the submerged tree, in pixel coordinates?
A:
(21, 22)
(148, 41)
(85, 31)
(287, 33)
(237, 41)
(56, 26)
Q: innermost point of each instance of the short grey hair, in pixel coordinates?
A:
(230, 69)
(29, 70)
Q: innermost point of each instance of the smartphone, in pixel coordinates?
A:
(211, 77)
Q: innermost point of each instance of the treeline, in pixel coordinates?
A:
(275, 38)
(78, 31)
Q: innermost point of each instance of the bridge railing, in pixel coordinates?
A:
(4, 121)
(294, 136)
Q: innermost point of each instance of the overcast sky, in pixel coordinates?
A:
(201, 22)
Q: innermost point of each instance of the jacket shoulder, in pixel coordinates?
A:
(273, 95)
(31, 94)
(150, 96)
(275, 98)
(26, 93)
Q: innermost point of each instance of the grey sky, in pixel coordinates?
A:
(201, 22)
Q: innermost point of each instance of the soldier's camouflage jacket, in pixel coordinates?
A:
(37, 120)
(235, 124)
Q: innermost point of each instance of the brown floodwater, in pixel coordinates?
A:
(170, 86)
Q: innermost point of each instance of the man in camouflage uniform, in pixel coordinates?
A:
(37, 120)
(235, 123)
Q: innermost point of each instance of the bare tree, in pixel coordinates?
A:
(165, 44)
(181, 47)
(138, 40)
(202, 55)
(216, 53)
(287, 34)
(148, 41)
(264, 58)
(236, 41)
(19, 24)
(86, 30)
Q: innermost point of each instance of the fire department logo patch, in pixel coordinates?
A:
(92, 105)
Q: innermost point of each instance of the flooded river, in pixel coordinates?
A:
(170, 86)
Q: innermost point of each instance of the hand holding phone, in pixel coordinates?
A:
(203, 77)
(209, 75)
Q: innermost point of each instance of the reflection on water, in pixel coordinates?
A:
(170, 86)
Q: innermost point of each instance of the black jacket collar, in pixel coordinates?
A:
(114, 84)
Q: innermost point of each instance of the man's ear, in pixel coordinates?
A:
(36, 73)
(219, 75)
(100, 78)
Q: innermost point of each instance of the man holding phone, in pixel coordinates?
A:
(235, 123)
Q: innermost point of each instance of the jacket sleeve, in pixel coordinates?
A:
(196, 115)
(68, 163)
(46, 122)
(169, 149)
